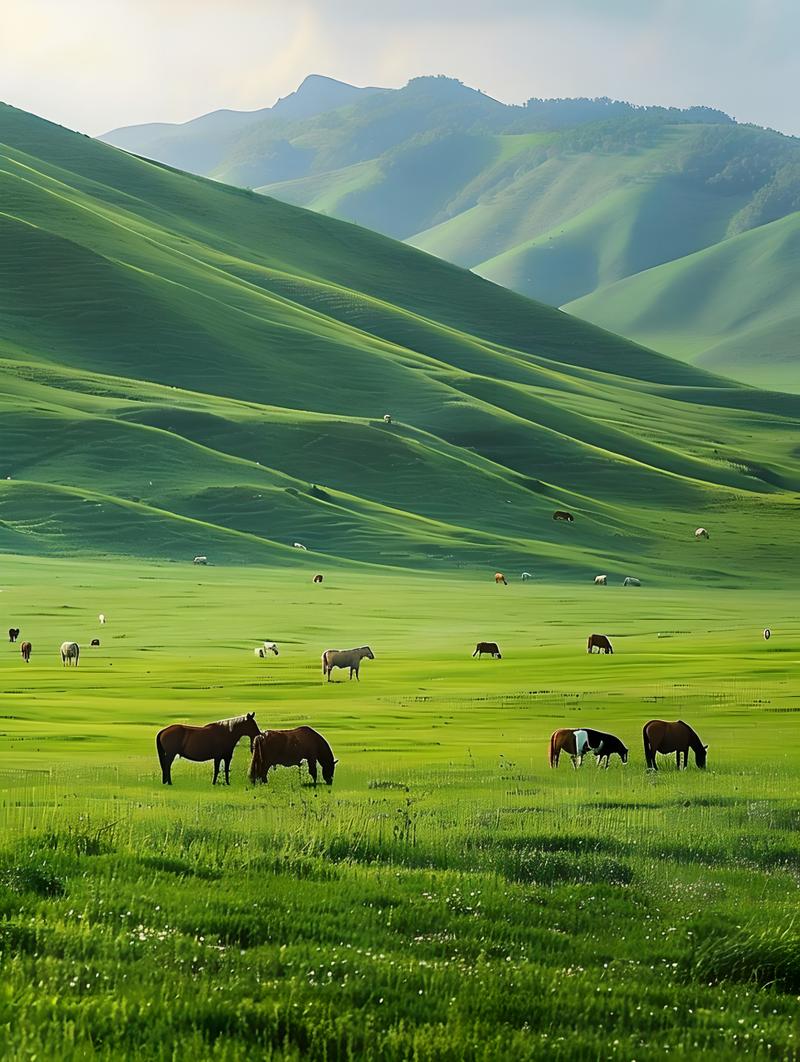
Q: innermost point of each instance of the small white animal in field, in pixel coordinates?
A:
(299, 545)
(102, 618)
(260, 652)
(387, 418)
(767, 634)
(701, 533)
(200, 560)
(271, 647)
(601, 580)
(70, 652)
(525, 576)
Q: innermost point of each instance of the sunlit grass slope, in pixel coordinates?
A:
(451, 897)
(733, 308)
(194, 368)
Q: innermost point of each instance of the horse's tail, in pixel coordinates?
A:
(552, 749)
(589, 644)
(648, 748)
(162, 756)
(325, 662)
(255, 762)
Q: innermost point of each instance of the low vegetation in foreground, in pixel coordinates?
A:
(450, 896)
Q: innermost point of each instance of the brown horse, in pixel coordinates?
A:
(562, 514)
(25, 649)
(500, 578)
(215, 741)
(599, 642)
(491, 648)
(574, 742)
(288, 748)
(677, 737)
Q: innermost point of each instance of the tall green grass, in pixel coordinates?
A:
(450, 896)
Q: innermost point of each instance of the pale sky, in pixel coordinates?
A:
(94, 65)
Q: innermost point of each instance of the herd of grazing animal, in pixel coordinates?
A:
(659, 736)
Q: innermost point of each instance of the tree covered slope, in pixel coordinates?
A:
(189, 367)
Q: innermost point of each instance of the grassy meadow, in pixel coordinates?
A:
(450, 896)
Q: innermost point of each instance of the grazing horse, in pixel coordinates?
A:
(387, 418)
(630, 581)
(677, 737)
(25, 649)
(573, 742)
(13, 633)
(95, 643)
(526, 576)
(70, 651)
(601, 580)
(350, 658)
(500, 578)
(215, 741)
(701, 533)
(200, 560)
(317, 579)
(488, 647)
(604, 745)
(562, 514)
(599, 642)
(288, 748)
(767, 634)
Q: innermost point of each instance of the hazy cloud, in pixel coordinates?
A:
(96, 64)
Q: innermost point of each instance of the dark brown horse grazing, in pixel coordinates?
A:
(562, 514)
(13, 633)
(215, 741)
(491, 648)
(288, 748)
(677, 737)
(317, 579)
(599, 642)
(25, 649)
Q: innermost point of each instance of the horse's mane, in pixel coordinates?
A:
(694, 738)
(231, 723)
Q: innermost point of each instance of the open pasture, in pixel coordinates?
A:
(450, 897)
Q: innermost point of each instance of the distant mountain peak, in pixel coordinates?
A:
(317, 94)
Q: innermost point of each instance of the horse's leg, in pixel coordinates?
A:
(574, 764)
(228, 769)
(312, 770)
(166, 769)
(678, 759)
(216, 771)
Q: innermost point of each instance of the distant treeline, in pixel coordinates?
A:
(544, 115)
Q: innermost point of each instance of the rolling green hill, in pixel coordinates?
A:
(193, 368)
(732, 307)
(559, 199)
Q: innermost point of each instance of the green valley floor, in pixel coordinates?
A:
(451, 896)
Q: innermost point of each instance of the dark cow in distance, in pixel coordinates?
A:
(491, 648)
(599, 642)
(13, 633)
(562, 514)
